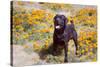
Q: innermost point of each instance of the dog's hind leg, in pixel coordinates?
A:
(76, 45)
(75, 41)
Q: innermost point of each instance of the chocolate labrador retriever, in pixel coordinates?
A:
(63, 32)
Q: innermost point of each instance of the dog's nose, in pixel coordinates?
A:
(58, 27)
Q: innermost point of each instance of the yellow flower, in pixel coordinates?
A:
(25, 36)
(21, 28)
(81, 44)
(94, 60)
(36, 22)
(87, 41)
(36, 46)
(91, 53)
(95, 45)
(81, 58)
(80, 39)
(25, 46)
(44, 24)
(17, 33)
(45, 30)
(46, 43)
(17, 38)
(30, 21)
(37, 31)
(83, 51)
(91, 46)
(51, 29)
(86, 49)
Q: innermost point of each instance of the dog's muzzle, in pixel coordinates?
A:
(58, 27)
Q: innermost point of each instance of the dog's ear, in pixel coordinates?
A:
(64, 18)
(54, 19)
(56, 16)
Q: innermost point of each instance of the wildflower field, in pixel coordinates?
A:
(33, 27)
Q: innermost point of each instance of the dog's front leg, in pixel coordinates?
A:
(54, 49)
(66, 50)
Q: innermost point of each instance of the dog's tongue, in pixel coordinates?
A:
(57, 27)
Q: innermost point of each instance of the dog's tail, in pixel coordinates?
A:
(71, 21)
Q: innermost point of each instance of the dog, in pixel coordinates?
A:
(63, 32)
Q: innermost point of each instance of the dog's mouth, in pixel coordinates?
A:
(58, 27)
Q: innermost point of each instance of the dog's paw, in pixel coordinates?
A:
(65, 60)
(54, 54)
(76, 52)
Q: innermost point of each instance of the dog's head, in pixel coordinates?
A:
(60, 21)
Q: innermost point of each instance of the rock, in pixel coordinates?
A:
(22, 58)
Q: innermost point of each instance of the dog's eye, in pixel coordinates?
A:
(58, 19)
